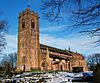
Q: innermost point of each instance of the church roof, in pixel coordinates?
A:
(42, 46)
(65, 52)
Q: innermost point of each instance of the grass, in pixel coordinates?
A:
(47, 71)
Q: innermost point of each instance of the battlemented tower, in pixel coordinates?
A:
(28, 41)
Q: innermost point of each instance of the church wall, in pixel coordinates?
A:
(61, 64)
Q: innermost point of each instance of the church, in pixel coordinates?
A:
(33, 55)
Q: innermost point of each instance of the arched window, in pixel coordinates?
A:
(32, 24)
(23, 23)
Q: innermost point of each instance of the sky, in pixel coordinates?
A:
(50, 34)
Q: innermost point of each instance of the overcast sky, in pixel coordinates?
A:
(50, 34)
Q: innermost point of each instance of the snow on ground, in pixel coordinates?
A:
(60, 77)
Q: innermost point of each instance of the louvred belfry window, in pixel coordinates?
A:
(23, 23)
(32, 24)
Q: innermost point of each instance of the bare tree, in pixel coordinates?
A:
(13, 59)
(3, 31)
(93, 60)
(7, 66)
(83, 13)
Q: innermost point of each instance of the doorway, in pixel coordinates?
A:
(61, 67)
(77, 69)
(24, 68)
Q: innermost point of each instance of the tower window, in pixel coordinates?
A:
(32, 24)
(23, 23)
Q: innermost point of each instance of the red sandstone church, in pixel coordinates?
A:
(33, 55)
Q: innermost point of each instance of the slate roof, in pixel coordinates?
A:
(65, 52)
(53, 49)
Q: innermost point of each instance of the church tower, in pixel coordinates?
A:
(28, 41)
